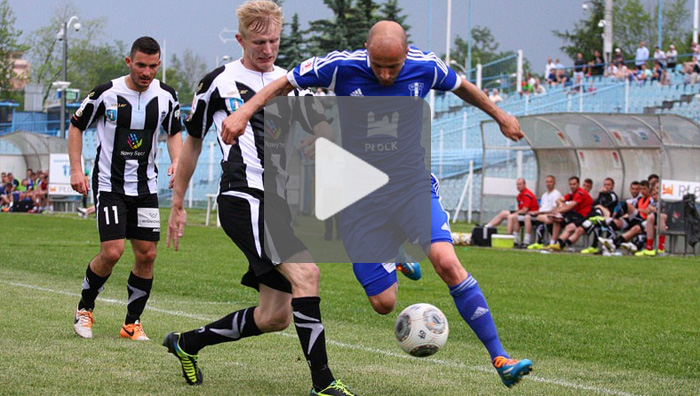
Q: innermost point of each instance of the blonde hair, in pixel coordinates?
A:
(258, 16)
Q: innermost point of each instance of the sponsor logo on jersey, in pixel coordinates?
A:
(134, 141)
(306, 66)
(272, 130)
(415, 89)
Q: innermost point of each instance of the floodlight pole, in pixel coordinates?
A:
(63, 35)
(449, 25)
(608, 31)
(696, 20)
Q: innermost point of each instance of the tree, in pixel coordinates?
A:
(586, 36)
(84, 67)
(292, 50)
(676, 25)
(484, 50)
(327, 35)
(391, 11)
(360, 19)
(185, 73)
(632, 23)
(9, 46)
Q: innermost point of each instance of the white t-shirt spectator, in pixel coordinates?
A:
(661, 57)
(549, 200)
(548, 69)
(672, 56)
(642, 56)
(495, 97)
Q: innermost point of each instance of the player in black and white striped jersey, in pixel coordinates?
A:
(128, 113)
(287, 289)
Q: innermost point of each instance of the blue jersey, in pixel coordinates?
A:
(396, 151)
(350, 74)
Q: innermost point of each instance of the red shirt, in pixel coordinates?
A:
(526, 199)
(583, 201)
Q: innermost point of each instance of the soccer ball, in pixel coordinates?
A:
(421, 330)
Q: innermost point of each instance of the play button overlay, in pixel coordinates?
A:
(346, 180)
(342, 179)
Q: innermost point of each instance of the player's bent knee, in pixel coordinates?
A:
(383, 305)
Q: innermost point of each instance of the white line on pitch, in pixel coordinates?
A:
(447, 363)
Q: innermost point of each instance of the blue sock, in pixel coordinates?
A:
(472, 306)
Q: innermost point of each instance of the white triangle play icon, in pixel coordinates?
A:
(342, 178)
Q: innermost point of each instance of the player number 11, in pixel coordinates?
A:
(116, 217)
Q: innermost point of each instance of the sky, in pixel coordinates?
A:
(515, 24)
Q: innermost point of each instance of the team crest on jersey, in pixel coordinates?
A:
(112, 114)
(415, 89)
(306, 66)
(235, 103)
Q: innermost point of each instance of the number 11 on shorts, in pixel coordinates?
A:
(116, 216)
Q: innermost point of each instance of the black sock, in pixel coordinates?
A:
(139, 290)
(561, 243)
(618, 241)
(93, 284)
(567, 243)
(232, 327)
(307, 319)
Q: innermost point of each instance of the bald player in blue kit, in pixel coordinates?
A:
(389, 67)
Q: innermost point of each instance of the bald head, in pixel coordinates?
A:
(387, 49)
(387, 34)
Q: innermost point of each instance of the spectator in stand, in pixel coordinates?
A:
(643, 74)
(611, 71)
(538, 89)
(495, 97)
(572, 208)
(558, 65)
(650, 226)
(618, 57)
(578, 85)
(563, 78)
(486, 92)
(671, 58)
(548, 203)
(579, 67)
(660, 56)
(598, 67)
(657, 72)
(642, 55)
(320, 92)
(527, 202)
(588, 185)
(549, 68)
(695, 50)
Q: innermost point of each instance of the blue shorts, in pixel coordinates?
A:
(377, 277)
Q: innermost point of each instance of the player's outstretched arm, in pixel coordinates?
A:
(234, 125)
(510, 127)
(78, 180)
(185, 168)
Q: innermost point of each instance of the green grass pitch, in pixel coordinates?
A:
(592, 325)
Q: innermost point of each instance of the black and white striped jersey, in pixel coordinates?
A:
(224, 90)
(127, 125)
